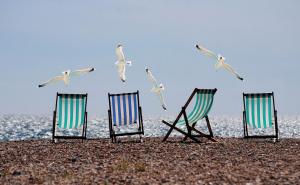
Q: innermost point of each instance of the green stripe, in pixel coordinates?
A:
(60, 112)
(270, 111)
(203, 103)
(205, 112)
(258, 111)
(264, 112)
(82, 111)
(247, 110)
(66, 112)
(201, 108)
(71, 112)
(208, 107)
(196, 107)
(253, 113)
(202, 99)
(77, 111)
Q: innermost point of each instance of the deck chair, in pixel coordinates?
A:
(125, 112)
(203, 104)
(259, 112)
(70, 115)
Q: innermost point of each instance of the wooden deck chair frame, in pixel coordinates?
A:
(191, 128)
(245, 125)
(113, 135)
(84, 127)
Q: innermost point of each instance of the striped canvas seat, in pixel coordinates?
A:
(201, 108)
(125, 115)
(203, 104)
(69, 115)
(124, 109)
(259, 112)
(71, 110)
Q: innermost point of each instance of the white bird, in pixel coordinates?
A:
(220, 61)
(157, 88)
(121, 63)
(66, 76)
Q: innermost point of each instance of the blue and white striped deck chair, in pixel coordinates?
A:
(259, 113)
(69, 115)
(202, 106)
(125, 113)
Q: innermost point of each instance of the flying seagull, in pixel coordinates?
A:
(66, 76)
(121, 63)
(220, 61)
(157, 88)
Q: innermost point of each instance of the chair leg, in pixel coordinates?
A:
(189, 130)
(141, 138)
(209, 127)
(181, 131)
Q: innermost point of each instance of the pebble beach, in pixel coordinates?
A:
(98, 161)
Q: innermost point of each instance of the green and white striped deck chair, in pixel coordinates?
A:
(259, 113)
(202, 106)
(70, 114)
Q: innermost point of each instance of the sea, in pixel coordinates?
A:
(29, 127)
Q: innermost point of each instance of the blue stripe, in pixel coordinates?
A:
(119, 110)
(113, 110)
(124, 109)
(130, 109)
(135, 108)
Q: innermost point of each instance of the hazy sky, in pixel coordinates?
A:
(41, 38)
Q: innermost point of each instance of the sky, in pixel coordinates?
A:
(41, 38)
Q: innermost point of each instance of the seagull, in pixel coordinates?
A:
(220, 61)
(66, 76)
(121, 63)
(157, 88)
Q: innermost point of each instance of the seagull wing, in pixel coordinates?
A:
(120, 54)
(151, 78)
(53, 80)
(231, 70)
(82, 71)
(121, 71)
(162, 100)
(206, 52)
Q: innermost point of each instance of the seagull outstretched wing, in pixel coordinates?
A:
(53, 80)
(81, 71)
(206, 52)
(232, 71)
(151, 78)
(162, 100)
(120, 54)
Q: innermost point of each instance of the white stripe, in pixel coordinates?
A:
(122, 110)
(127, 108)
(117, 110)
